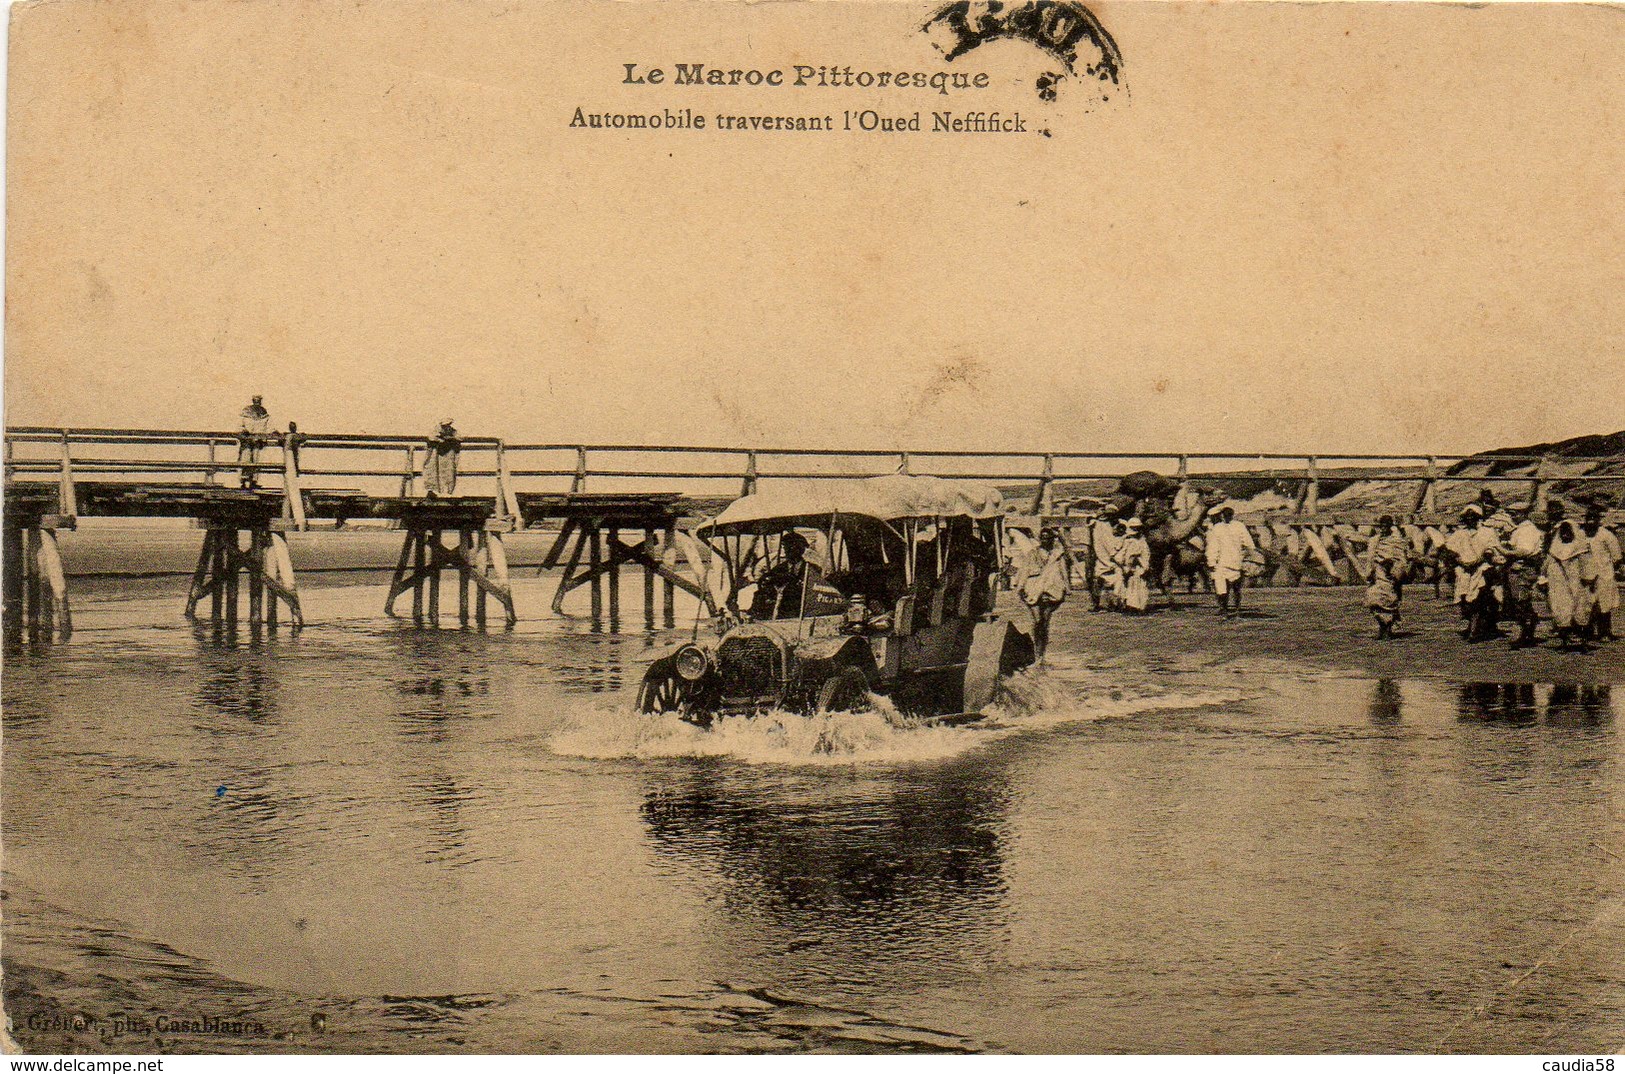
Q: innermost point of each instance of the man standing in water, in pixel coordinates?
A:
(1605, 556)
(1228, 543)
(1042, 582)
(1571, 584)
(1103, 542)
(440, 465)
(1475, 547)
(1390, 565)
(1524, 547)
(253, 432)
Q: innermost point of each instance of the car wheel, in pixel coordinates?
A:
(661, 692)
(845, 691)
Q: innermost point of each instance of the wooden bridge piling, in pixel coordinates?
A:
(591, 529)
(478, 558)
(36, 588)
(223, 564)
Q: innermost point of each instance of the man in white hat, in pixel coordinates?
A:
(1134, 563)
(254, 431)
(440, 464)
(1103, 544)
(1479, 559)
(1228, 543)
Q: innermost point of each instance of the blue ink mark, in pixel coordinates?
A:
(220, 791)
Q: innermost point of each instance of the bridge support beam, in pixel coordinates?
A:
(606, 553)
(36, 589)
(224, 564)
(481, 563)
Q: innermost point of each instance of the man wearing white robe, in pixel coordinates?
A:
(1605, 556)
(1103, 544)
(1228, 543)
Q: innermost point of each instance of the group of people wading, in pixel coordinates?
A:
(1118, 565)
(1119, 561)
(1506, 568)
(1502, 566)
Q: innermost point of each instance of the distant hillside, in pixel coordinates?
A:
(1600, 444)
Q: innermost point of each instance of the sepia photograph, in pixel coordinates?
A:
(701, 527)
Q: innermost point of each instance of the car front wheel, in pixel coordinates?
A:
(845, 691)
(661, 692)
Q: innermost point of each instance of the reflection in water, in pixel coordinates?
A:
(244, 831)
(889, 873)
(1566, 704)
(238, 682)
(1387, 702)
(444, 682)
(1579, 706)
(1497, 702)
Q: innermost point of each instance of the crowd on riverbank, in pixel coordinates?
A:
(1507, 568)
(1500, 565)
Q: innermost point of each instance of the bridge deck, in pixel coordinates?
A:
(146, 499)
(613, 510)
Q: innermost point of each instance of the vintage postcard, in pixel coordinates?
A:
(998, 526)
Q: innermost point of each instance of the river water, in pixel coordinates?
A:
(368, 837)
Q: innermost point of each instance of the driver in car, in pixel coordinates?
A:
(779, 590)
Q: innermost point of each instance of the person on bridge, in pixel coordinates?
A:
(254, 432)
(1228, 543)
(440, 464)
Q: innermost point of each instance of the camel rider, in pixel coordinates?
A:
(1228, 543)
(1187, 500)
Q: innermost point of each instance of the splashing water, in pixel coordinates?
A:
(1027, 702)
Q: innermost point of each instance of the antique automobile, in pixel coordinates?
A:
(833, 590)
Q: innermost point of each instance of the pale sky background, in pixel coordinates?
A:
(1307, 228)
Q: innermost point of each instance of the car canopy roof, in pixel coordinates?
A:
(890, 498)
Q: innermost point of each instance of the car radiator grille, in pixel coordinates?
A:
(748, 666)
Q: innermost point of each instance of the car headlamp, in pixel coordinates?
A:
(691, 662)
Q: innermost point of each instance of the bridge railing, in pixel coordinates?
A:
(728, 470)
(295, 463)
(291, 463)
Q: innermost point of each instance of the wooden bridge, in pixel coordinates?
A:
(246, 494)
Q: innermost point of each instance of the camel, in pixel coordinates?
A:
(1172, 512)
